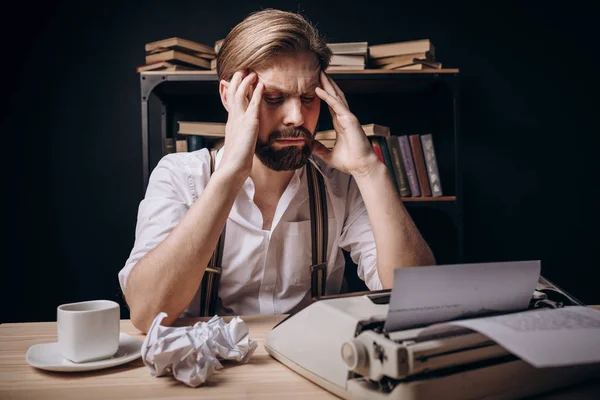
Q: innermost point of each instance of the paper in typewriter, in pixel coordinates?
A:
(426, 295)
(542, 337)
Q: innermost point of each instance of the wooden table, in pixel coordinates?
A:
(262, 378)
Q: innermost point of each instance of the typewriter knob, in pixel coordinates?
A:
(354, 354)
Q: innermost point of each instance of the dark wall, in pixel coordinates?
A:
(71, 124)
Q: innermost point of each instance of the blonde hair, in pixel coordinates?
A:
(265, 34)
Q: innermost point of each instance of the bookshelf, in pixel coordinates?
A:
(408, 101)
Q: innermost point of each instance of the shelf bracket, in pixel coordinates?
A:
(148, 83)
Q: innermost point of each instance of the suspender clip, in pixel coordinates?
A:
(318, 275)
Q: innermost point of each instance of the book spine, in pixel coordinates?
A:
(431, 164)
(394, 149)
(409, 166)
(181, 146)
(169, 146)
(195, 143)
(388, 160)
(417, 152)
(376, 148)
(213, 129)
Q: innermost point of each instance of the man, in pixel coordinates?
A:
(272, 83)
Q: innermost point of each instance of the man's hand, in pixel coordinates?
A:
(241, 131)
(352, 153)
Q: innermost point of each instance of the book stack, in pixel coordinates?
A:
(175, 146)
(327, 137)
(199, 135)
(348, 56)
(411, 55)
(217, 47)
(412, 163)
(410, 159)
(177, 54)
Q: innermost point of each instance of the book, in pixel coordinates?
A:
(162, 66)
(218, 45)
(181, 146)
(401, 48)
(345, 67)
(178, 57)
(211, 129)
(376, 148)
(416, 64)
(204, 56)
(349, 47)
(183, 45)
(401, 179)
(376, 130)
(406, 58)
(329, 134)
(195, 143)
(329, 143)
(387, 159)
(370, 130)
(431, 164)
(344, 59)
(409, 166)
(419, 160)
(169, 145)
(213, 64)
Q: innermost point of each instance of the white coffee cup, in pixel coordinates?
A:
(88, 330)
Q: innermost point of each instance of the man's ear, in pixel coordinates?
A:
(223, 86)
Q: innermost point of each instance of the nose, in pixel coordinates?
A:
(293, 112)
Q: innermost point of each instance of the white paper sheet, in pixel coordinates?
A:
(425, 295)
(543, 337)
(191, 353)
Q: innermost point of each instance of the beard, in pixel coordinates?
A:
(287, 158)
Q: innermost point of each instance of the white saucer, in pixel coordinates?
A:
(47, 356)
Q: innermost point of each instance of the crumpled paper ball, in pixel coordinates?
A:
(191, 353)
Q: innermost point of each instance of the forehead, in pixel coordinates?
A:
(291, 74)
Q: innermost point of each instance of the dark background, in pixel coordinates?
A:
(72, 151)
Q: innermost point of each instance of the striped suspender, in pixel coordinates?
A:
(318, 224)
(209, 285)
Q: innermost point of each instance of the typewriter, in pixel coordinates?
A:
(339, 342)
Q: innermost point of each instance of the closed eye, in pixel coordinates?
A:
(274, 100)
(308, 99)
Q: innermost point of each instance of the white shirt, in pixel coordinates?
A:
(263, 271)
